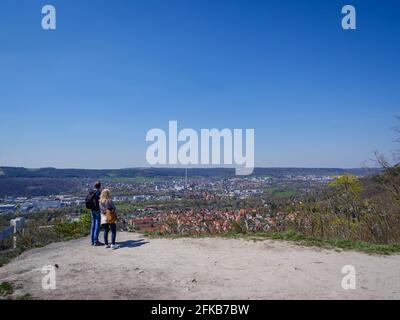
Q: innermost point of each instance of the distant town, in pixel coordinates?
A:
(172, 188)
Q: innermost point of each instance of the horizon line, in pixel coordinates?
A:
(183, 168)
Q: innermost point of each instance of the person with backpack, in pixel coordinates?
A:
(92, 203)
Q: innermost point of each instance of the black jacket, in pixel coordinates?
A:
(96, 198)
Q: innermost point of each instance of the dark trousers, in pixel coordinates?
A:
(107, 227)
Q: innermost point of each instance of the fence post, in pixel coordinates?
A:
(17, 224)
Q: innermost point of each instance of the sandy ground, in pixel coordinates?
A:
(201, 269)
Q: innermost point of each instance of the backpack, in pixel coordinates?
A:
(90, 200)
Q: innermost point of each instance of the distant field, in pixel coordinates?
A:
(140, 179)
(278, 192)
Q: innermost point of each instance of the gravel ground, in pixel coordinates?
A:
(206, 268)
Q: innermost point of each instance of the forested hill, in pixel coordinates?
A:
(46, 181)
(52, 173)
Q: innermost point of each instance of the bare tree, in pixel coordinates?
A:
(390, 178)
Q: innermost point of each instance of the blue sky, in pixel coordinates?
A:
(316, 95)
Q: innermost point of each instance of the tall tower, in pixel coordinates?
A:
(186, 185)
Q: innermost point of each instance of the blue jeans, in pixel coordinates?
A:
(95, 228)
(113, 227)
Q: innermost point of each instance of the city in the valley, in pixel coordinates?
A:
(145, 196)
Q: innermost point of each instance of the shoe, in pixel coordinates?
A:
(114, 246)
(107, 246)
(99, 244)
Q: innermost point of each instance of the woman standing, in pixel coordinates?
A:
(108, 218)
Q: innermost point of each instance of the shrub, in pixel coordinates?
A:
(6, 289)
(73, 230)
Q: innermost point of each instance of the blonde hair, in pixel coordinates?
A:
(105, 195)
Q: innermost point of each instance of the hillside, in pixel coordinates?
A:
(47, 181)
(15, 172)
(208, 268)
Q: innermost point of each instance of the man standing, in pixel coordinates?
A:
(92, 203)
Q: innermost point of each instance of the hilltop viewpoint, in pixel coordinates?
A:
(200, 268)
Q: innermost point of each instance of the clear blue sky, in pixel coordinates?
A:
(316, 95)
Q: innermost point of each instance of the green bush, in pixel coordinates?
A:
(39, 233)
(73, 230)
(6, 289)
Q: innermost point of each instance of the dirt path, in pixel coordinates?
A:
(201, 269)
